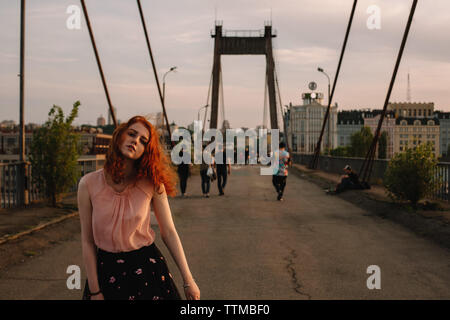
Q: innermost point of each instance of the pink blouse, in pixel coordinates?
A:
(121, 220)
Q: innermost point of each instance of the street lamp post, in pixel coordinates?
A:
(164, 86)
(329, 98)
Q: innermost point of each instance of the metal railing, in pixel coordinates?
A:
(9, 182)
(441, 174)
(243, 33)
(9, 185)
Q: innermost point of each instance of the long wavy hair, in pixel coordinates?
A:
(154, 164)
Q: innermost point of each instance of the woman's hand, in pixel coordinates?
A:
(192, 292)
(98, 297)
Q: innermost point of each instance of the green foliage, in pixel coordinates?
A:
(341, 152)
(382, 145)
(360, 142)
(54, 154)
(410, 174)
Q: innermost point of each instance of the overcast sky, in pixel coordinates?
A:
(61, 68)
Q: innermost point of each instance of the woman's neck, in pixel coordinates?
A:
(129, 169)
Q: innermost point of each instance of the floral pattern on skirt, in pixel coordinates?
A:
(135, 275)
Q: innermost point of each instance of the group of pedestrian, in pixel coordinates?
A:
(218, 169)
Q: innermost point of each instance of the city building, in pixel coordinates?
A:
(348, 122)
(305, 124)
(92, 142)
(371, 120)
(7, 124)
(411, 132)
(9, 142)
(101, 121)
(444, 132)
(412, 109)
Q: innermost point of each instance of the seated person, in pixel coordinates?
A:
(348, 181)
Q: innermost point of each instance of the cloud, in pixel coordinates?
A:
(61, 65)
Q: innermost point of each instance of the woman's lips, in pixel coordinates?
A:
(131, 148)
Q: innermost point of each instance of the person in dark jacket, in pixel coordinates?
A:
(183, 174)
(222, 167)
(348, 181)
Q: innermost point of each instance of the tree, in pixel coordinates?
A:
(382, 146)
(341, 152)
(360, 142)
(54, 153)
(411, 174)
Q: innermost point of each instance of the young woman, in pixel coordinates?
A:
(119, 254)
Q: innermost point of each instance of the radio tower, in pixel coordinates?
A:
(408, 90)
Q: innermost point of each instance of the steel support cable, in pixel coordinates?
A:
(266, 89)
(367, 166)
(282, 115)
(207, 100)
(154, 69)
(315, 159)
(277, 86)
(99, 64)
(221, 94)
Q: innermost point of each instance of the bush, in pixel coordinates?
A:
(340, 152)
(54, 154)
(411, 174)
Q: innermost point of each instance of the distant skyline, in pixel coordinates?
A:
(61, 68)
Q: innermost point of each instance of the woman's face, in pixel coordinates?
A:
(135, 139)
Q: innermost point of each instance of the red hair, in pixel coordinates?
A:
(154, 164)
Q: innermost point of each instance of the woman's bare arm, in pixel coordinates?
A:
(171, 239)
(87, 237)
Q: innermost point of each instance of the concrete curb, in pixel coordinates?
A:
(38, 227)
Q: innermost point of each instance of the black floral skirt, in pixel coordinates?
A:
(135, 275)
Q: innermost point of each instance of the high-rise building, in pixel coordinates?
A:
(305, 124)
(101, 121)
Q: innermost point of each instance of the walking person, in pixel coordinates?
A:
(120, 257)
(280, 174)
(222, 167)
(206, 173)
(183, 175)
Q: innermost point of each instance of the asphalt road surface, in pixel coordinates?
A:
(248, 245)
